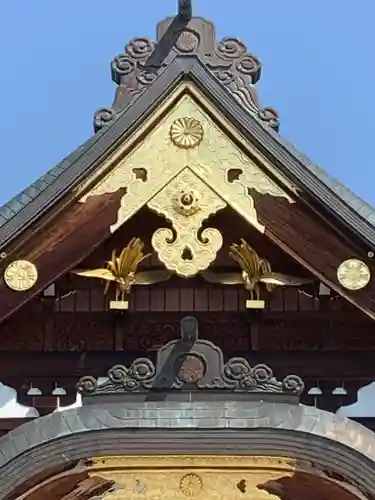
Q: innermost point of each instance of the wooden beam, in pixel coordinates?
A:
(61, 245)
(66, 368)
(314, 244)
(139, 332)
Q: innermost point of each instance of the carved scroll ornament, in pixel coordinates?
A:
(144, 60)
(238, 375)
(186, 202)
(191, 363)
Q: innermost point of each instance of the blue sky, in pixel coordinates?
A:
(318, 72)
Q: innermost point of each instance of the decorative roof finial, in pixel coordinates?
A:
(185, 10)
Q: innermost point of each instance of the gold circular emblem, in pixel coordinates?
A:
(186, 132)
(353, 274)
(20, 275)
(191, 485)
(186, 202)
(191, 369)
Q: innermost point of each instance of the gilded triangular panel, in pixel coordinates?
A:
(186, 136)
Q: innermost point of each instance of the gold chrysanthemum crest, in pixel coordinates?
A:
(186, 202)
(20, 275)
(191, 485)
(353, 274)
(186, 133)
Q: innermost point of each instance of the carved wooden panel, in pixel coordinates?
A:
(24, 331)
(272, 330)
(93, 332)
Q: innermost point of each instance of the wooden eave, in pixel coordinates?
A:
(19, 237)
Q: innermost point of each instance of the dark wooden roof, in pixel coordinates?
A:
(225, 72)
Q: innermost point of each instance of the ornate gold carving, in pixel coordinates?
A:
(191, 485)
(122, 271)
(186, 132)
(162, 477)
(186, 252)
(154, 158)
(20, 275)
(186, 202)
(226, 169)
(218, 161)
(255, 270)
(168, 477)
(353, 274)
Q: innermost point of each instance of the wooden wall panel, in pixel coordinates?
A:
(192, 296)
(283, 332)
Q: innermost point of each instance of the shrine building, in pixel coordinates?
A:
(205, 289)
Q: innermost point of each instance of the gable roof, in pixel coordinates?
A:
(226, 73)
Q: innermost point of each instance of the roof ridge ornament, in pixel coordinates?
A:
(190, 368)
(144, 60)
(185, 9)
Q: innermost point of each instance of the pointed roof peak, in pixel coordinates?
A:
(225, 72)
(184, 36)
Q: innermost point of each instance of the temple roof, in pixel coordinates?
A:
(186, 49)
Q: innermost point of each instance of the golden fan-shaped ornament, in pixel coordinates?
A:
(186, 133)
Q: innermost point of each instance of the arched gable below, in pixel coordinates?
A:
(335, 447)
